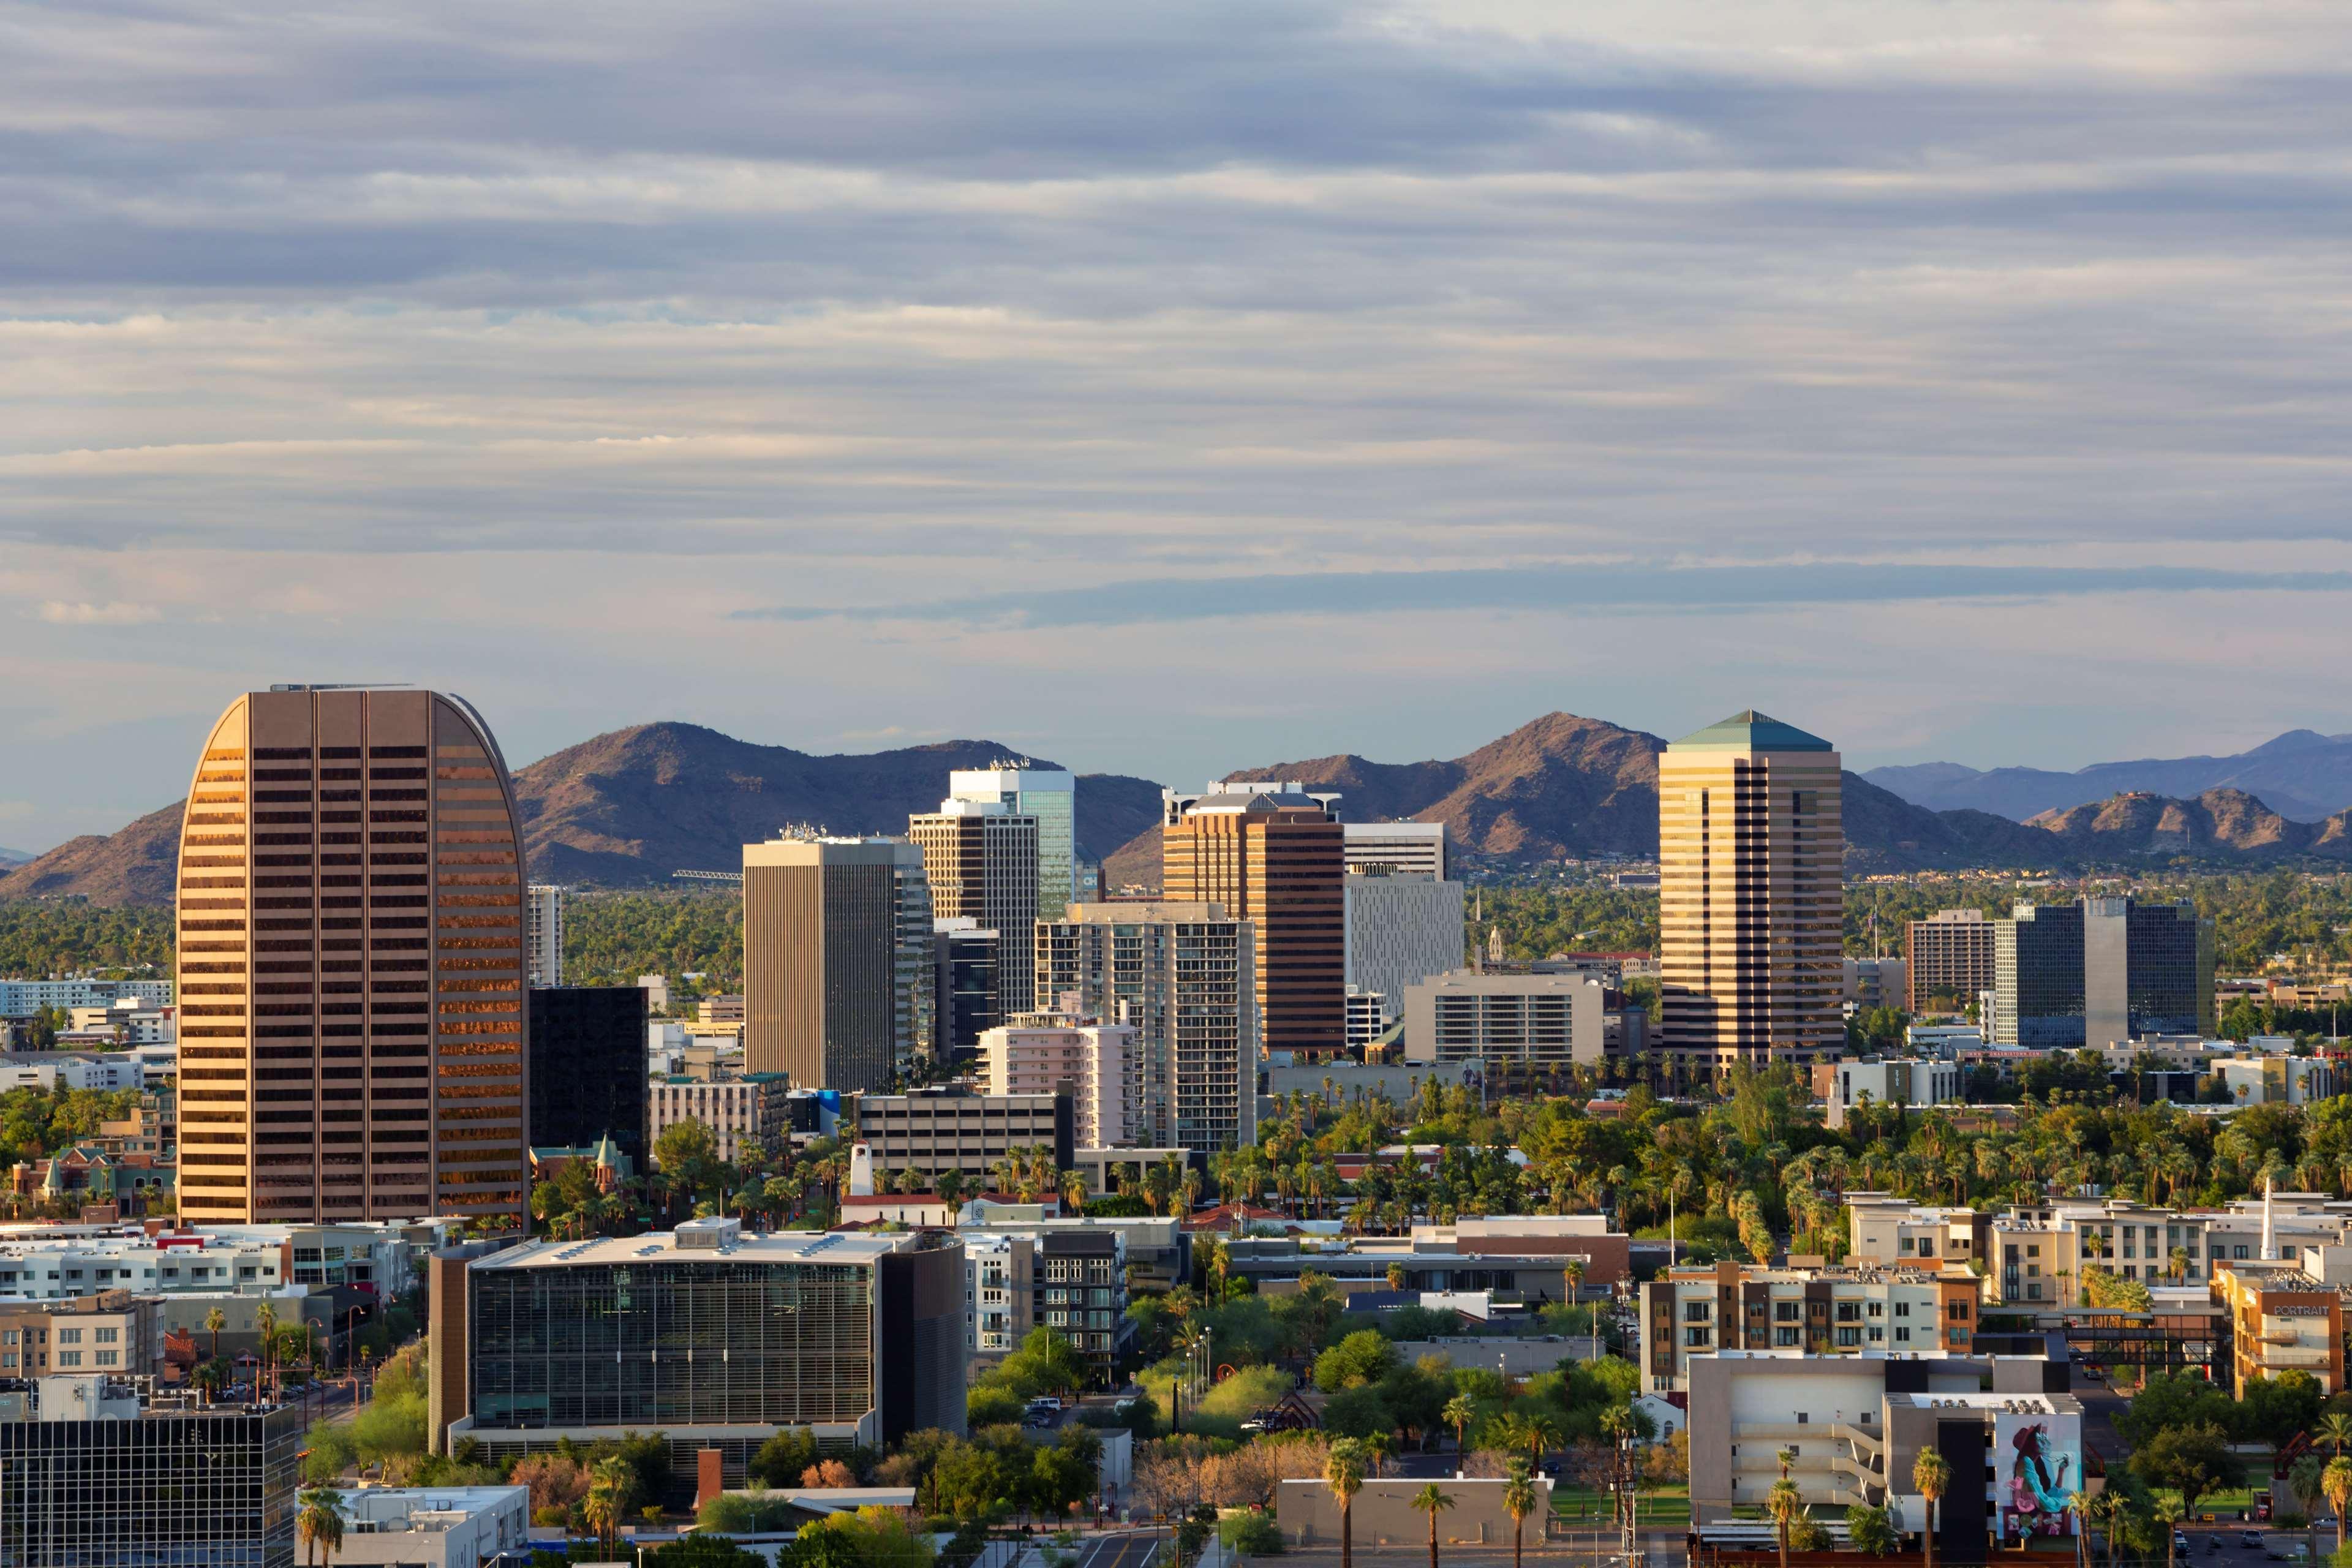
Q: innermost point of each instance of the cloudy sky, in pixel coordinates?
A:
(1160, 388)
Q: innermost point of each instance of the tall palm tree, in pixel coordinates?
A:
(2337, 1482)
(1344, 1472)
(2336, 1431)
(606, 1495)
(1432, 1502)
(1932, 1473)
(319, 1520)
(1519, 1501)
(1379, 1445)
(1074, 1190)
(265, 1321)
(2308, 1480)
(1784, 1503)
(1460, 1411)
(2079, 1505)
(217, 1320)
(2169, 1514)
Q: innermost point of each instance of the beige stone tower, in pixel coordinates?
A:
(353, 1014)
(1751, 887)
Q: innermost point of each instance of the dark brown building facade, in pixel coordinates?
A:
(353, 1015)
(1275, 859)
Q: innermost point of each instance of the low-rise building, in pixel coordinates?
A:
(1911, 1083)
(1855, 1427)
(54, 1262)
(1603, 1256)
(1698, 1309)
(433, 1527)
(1092, 1062)
(1883, 1228)
(24, 998)
(745, 1110)
(2280, 1319)
(2282, 1079)
(91, 1473)
(1544, 1020)
(111, 1332)
(1000, 1291)
(933, 1130)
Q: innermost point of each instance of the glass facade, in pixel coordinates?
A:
(214, 1490)
(2038, 977)
(668, 1343)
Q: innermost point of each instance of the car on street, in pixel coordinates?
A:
(2253, 1538)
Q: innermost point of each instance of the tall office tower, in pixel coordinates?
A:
(1396, 849)
(1403, 918)
(588, 1067)
(837, 959)
(1186, 977)
(1271, 854)
(1750, 909)
(966, 987)
(1951, 957)
(1049, 794)
(353, 1032)
(543, 932)
(982, 860)
(2100, 971)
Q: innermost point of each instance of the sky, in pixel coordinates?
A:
(1165, 389)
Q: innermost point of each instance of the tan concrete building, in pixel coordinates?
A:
(1274, 855)
(745, 1112)
(1700, 1308)
(1542, 1020)
(981, 859)
(1950, 956)
(109, 1331)
(1750, 913)
(2282, 1320)
(350, 964)
(1093, 1063)
(837, 959)
(1885, 1229)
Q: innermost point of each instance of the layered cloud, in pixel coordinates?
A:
(866, 342)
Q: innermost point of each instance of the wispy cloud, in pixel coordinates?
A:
(59, 612)
(1599, 589)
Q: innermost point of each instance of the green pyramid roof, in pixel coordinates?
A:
(1751, 731)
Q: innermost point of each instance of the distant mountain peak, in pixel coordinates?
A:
(2292, 741)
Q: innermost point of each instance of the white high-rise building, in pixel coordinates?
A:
(1405, 920)
(1049, 794)
(543, 935)
(1396, 849)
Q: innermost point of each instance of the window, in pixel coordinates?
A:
(1784, 1311)
(1849, 1336)
(69, 1336)
(1902, 1309)
(1876, 1334)
(1849, 1312)
(109, 1336)
(1957, 1311)
(1697, 1311)
(1695, 1336)
(2238, 1251)
(69, 1358)
(1878, 1308)
(1902, 1336)
(1784, 1336)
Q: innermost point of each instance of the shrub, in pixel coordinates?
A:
(1252, 1534)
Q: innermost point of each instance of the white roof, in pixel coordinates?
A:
(771, 1247)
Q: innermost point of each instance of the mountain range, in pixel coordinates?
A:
(2302, 776)
(629, 807)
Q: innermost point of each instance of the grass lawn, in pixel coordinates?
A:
(1663, 1506)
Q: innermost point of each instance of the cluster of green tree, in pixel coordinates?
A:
(74, 936)
(1373, 1393)
(1539, 922)
(610, 939)
(1047, 1363)
(786, 1188)
(36, 1123)
(1696, 1159)
(997, 1472)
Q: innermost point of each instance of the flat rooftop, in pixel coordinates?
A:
(662, 1246)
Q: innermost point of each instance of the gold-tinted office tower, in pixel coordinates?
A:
(1750, 903)
(837, 961)
(350, 981)
(1274, 855)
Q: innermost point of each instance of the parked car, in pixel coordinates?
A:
(2250, 1538)
(2180, 1540)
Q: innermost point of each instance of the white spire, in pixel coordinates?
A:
(2270, 1235)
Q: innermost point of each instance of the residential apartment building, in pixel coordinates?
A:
(92, 1474)
(746, 1110)
(2101, 971)
(1950, 961)
(1853, 1429)
(1751, 915)
(111, 1332)
(587, 1066)
(1883, 1309)
(2280, 1319)
(24, 998)
(1000, 1291)
(1884, 1229)
(1042, 1054)
(1272, 856)
(60, 1263)
(839, 960)
(1402, 926)
(982, 862)
(350, 964)
(2041, 1249)
(938, 1129)
(1049, 797)
(1537, 1020)
(1082, 1294)
(581, 1340)
(543, 932)
(1184, 977)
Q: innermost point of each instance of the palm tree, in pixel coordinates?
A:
(2309, 1481)
(1344, 1472)
(2337, 1482)
(265, 1320)
(1519, 1500)
(2079, 1505)
(1784, 1502)
(1460, 1411)
(319, 1519)
(2169, 1514)
(2336, 1431)
(1074, 1190)
(217, 1320)
(1431, 1502)
(1379, 1445)
(1932, 1473)
(606, 1495)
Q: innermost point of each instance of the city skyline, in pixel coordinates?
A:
(1462, 364)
